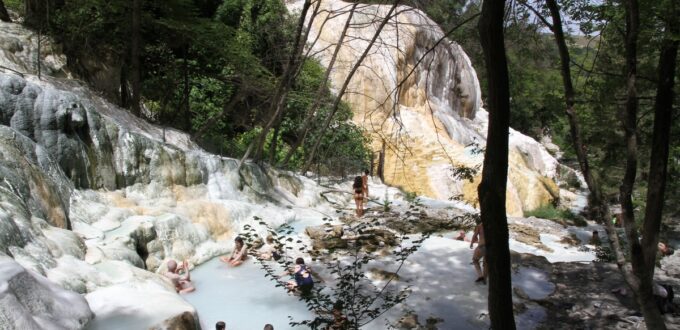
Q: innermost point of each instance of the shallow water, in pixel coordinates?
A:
(241, 297)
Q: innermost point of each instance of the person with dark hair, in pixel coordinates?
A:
(238, 255)
(182, 283)
(364, 184)
(302, 276)
(220, 326)
(268, 327)
(359, 195)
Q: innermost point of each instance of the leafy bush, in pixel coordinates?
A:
(553, 213)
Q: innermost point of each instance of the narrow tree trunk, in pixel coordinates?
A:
(381, 163)
(596, 199)
(284, 84)
(644, 253)
(658, 168)
(274, 143)
(643, 268)
(124, 91)
(187, 104)
(134, 57)
(38, 59)
(597, 203)
(306, 124)
(338, 98)
(4, 15)
(37, 12)
(492, 189)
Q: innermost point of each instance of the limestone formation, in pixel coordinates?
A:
(31, 302)
(428, 118)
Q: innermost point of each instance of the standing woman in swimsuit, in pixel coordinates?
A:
(358, 187)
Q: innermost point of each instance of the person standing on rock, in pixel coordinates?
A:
(182, 283)
(358, 187)
(479, 253)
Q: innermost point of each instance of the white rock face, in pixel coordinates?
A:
(29, 301)
(429, 115)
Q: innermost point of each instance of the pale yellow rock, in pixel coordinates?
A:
(426, 117)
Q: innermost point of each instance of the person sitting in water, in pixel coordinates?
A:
(220, 326)
(268, 327)
(269, 251)
(461, 236)
(182, 283)
(238, 255)
(302, 275)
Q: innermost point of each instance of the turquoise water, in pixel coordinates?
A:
(241, 297)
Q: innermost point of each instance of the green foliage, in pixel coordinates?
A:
(211, 68)
(554, 213)
(15, 5)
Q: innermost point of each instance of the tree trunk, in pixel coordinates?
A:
(4, 15)
(306, 124)
(492, 189)
(342, 90)
(285, 83)
(381, 163)
(274, 143)
(37, 12)
(643, 267)
(134, 57)
(597, 202)
(187, 89)
(658, 168)
(124, 91)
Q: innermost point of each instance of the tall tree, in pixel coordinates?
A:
(285, 82)
(597, 203)
(492, 189)
(341, 92)
(643, 251)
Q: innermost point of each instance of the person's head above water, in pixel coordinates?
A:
(172, 265)
(220, 326)
(270, 239)
(239, 241)
(268, 327)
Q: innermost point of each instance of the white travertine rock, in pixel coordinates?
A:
(153, 305)
(29, 301)
(429, 116)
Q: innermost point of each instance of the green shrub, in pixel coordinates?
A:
(554, 213)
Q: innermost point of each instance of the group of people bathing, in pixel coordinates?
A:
(302, 281)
